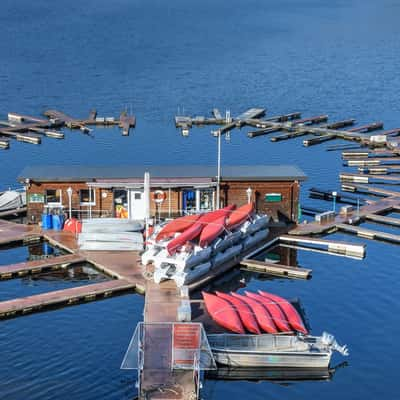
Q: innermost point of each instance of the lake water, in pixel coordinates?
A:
(338, 57)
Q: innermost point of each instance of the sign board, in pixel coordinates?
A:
(273, 197)
(186, 339)
(36, 198)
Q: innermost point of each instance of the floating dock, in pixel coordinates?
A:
(30, 129)
(291, 126)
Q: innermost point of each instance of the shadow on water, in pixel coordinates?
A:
(284, 376)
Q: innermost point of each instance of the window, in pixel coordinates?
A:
(53, 196)
(138, 196)
(87, 197)
(206, 199)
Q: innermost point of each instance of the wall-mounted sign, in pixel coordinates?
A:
(36, 198)
(273, 197)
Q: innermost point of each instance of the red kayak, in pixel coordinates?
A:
(261, 313)
(240, 215)
(291, 313)
(223, 313)
(212, 231)
(277, 314)
(195, 230)
(177, 225)
(244, 311)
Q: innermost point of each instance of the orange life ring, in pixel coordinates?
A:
(159, 196)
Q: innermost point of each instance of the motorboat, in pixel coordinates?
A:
(271, 350)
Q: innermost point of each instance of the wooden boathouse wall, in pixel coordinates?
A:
(103, 207)
(287, 208)
(273, 189)
(231, 192)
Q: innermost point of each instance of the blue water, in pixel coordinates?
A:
(47, 281)
(22, 253)
(337, 57)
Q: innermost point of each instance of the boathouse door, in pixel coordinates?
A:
(136, 204)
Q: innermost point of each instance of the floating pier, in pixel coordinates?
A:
(29, 129)
(369, 233)
(344, 248)
(277, 269)
(293, 126)
(25, 305)
(37, 266)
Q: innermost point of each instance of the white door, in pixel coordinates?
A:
(136, 204)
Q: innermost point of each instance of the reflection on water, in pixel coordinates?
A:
(75, 273)
(15, 253)
(62, 278)
(278, 254)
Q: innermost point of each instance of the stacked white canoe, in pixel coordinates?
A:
(187, 255)
(111, 234)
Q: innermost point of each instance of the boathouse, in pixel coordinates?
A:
(118, 191)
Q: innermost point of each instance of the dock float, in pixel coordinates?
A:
(276, 269)
(24, 305)
(345, 248)
(369, 233)
(365, 178)
(4, 143)
(372, 190)
(37, 266)
(380, 219)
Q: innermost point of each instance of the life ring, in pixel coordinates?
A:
(159, 196)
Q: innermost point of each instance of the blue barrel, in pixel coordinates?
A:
(57, 222)
(47, 221)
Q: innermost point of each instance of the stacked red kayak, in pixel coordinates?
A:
(213, 222)
(255, 313)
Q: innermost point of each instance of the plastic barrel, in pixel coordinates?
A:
(47, 221)
(57, 222)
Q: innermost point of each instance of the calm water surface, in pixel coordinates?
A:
(337, 57)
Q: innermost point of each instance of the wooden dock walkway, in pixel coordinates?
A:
(37, 266)
(277, 269)
(379, 207)
(158, 379)
(383, 220)
(29, 129)
(11, 308)
(369, 233)
(293, 126)
(338, 247)
(124, 267)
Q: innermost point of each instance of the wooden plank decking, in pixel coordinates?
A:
(36, 266)
(378, 207)
(69, 296)
(277, 269)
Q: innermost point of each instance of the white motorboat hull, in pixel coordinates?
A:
(272, 359)
(276, 351)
